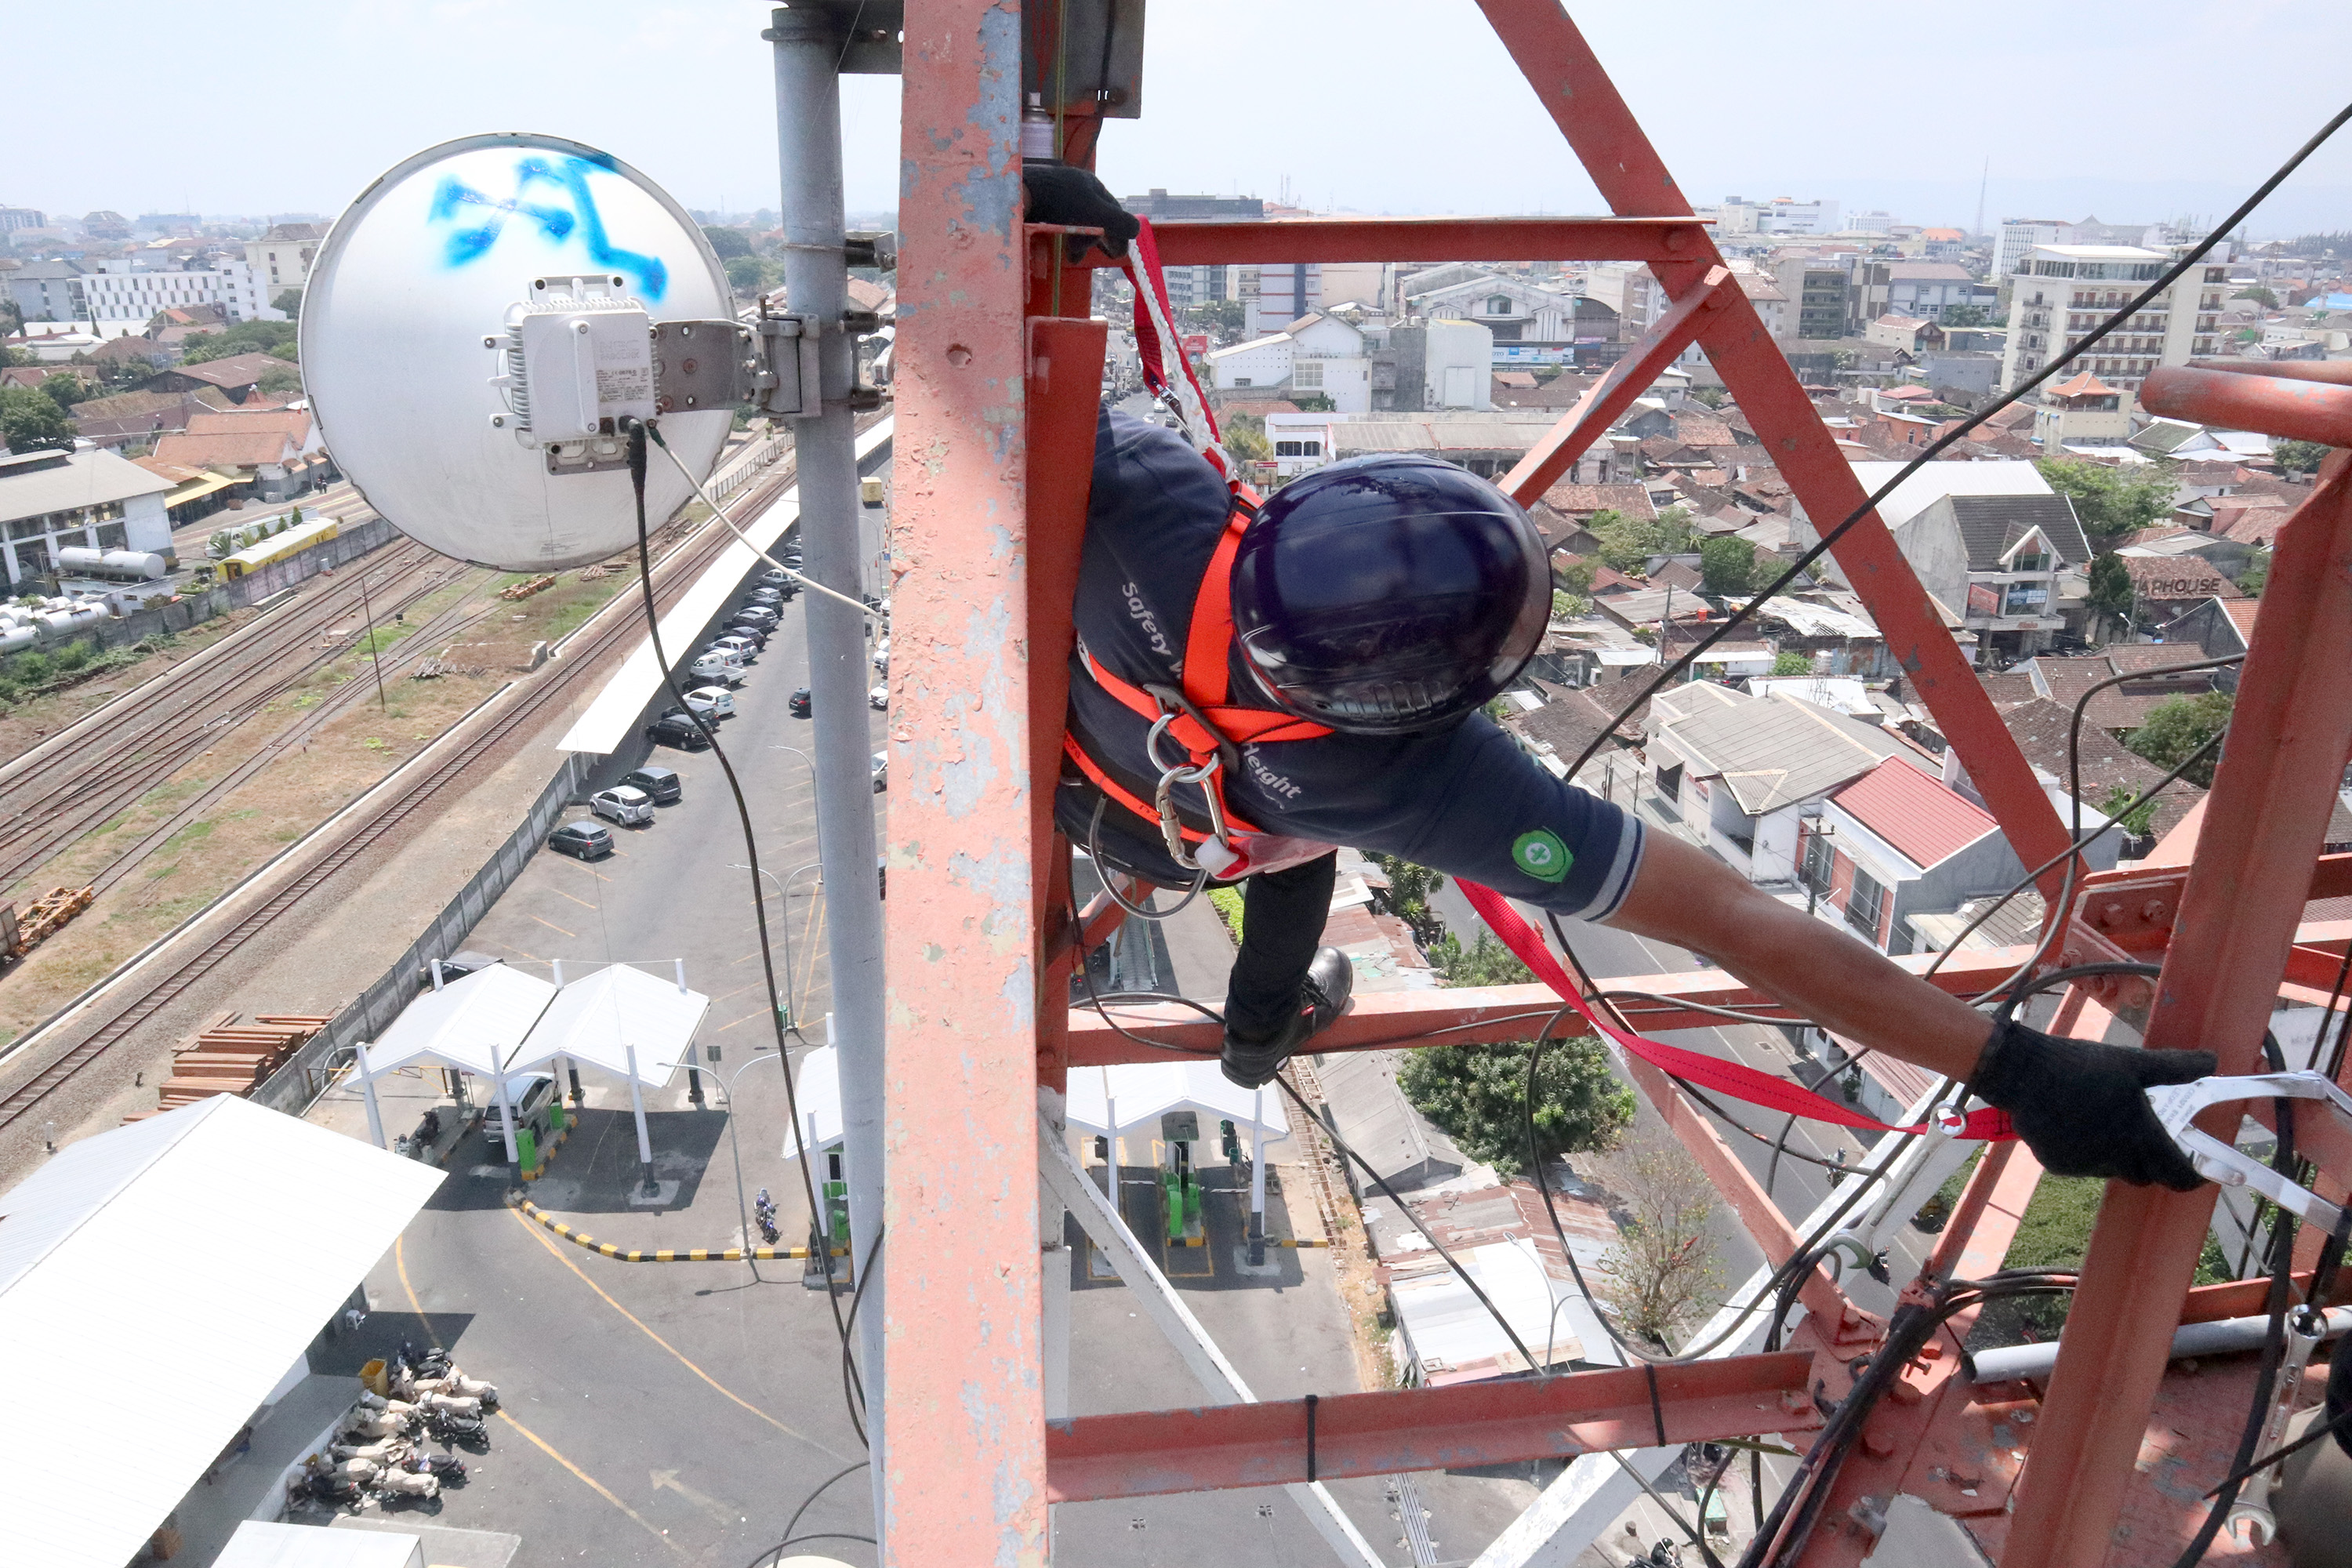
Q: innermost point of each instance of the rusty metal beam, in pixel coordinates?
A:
(1629, 377)
(2267, 813)
(2304, 410)
(1675, 236)
(1585, 105)
(1497, 1421)
(965, 1471)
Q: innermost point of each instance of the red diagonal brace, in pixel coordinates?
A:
(1495, 1420)
(1627, 379)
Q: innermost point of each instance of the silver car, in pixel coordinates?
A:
(624, 804)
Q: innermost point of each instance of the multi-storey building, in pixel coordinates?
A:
(1814, 290)
(118, 293)
(280, 259)
(2059, 293)
(1190, 285)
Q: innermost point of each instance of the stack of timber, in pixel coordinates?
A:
(231, 1057)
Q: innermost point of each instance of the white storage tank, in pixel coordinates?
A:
(13, 637)
(130, 565)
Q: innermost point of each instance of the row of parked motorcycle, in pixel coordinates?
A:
(377, 1449)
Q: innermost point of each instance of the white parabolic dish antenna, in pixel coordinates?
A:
(405, 332)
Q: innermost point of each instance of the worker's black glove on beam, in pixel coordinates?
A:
(1063, 194)
(2082, 1107)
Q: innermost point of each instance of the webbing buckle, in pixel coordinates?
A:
(1164, 798)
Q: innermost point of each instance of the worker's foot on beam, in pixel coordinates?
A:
(1252, 1063)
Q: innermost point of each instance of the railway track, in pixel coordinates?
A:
(425, 792)
(54, 796)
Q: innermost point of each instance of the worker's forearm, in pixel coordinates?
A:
(1684, 896)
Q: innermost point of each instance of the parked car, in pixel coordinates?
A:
(582, 840)
(739, 655)
(713, 702)
(800, 703)
(751, 629)
(528, 1096)
(662, 785)
(881, 772)
(882, 664)
(879, 698)
(457, 965)
(713, 666)
(743, 647)
(769, 597)
(675, 729)
(776, 578)
(629, 806)
(765, 615)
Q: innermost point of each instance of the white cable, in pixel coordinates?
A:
(721, 513)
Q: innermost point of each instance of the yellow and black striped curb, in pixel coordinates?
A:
(666, 1254)
(1269, 1241)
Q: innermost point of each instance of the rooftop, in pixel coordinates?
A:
(34, 483)
(1776, 752)
(1991, 524)
(1925, 822)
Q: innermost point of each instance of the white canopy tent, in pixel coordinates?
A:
(475, 1024)
(1116, 1101)
(206, 1218)
(626, 1022)
(817, 1092)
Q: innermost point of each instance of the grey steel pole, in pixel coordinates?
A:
(808, 50)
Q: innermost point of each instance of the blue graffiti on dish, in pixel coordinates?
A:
(556, 223)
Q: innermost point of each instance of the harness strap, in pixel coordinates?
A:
(1119, 791)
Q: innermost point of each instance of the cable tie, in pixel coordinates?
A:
(1312, 1401)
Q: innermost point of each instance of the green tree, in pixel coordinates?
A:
(290, 301)
(1790, 662)
(1713, 396)
(1568, 606)
(65, 391)
(1224, 319)
(748, 273)
(1575, 576)
(2111, 596)
(2298, 457)
(728, 242)
(1627, 543)
(2260, 295)
(1965, 316)
(280, 378)
(2257, 575)
(2137, 822)
(1727, 566)
(1486, 962)
(278, 337)
(1478, 1094)
(2112, 503)
(2177, 726)
(1408, 895)
(30, 421)
(1663, 1273)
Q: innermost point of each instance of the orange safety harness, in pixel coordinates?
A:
(1198, 715)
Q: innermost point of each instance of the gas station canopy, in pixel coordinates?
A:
(1144, 1092)
(596, 1019)
(476, 1025)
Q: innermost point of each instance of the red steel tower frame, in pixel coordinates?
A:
(998, 371)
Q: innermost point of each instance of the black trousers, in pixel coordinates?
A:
(1282, 925)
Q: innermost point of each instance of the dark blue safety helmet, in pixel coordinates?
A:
(1389, 595)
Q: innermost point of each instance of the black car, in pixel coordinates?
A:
(776, 579)
(800, 703)
(747, 628)
(675, 729)
(582, 840)
(662, 785)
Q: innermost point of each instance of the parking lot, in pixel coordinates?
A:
(670, 1413)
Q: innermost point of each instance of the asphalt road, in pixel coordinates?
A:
(668, 1414)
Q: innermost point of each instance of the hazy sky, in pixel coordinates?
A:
(1379, 106)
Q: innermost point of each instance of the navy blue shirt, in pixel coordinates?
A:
(1466, 800)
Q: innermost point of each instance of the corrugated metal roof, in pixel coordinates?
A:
(1928, 823)
(33, 485)
(1776, 752)
(1449, 1330)
(476, 1025)
(221, 1226)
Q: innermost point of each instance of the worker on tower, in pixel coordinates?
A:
(1255, 685)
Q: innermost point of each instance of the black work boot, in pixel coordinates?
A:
(1330, 978)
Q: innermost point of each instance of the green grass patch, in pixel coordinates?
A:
(188, 837)
(1227, 902)
(380, 638)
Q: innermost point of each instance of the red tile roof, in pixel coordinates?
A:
(2084, 386)
(2242, 614)
(1919, 817)
(1583, 500)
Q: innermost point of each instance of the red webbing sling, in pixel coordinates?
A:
(1733, 1079)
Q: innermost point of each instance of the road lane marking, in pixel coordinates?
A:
(554, 927)
(400, 1262)
(581, 903)
(557, 1253)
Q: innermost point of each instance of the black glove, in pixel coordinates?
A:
(2082, 1107)
(1064, 194)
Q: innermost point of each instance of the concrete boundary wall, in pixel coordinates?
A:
(353, 540)
(308, 1072)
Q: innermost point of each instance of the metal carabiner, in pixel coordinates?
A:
(1164, 798)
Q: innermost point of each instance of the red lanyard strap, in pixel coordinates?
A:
(1734, 1078)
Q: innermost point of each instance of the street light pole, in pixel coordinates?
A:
(784, 922)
